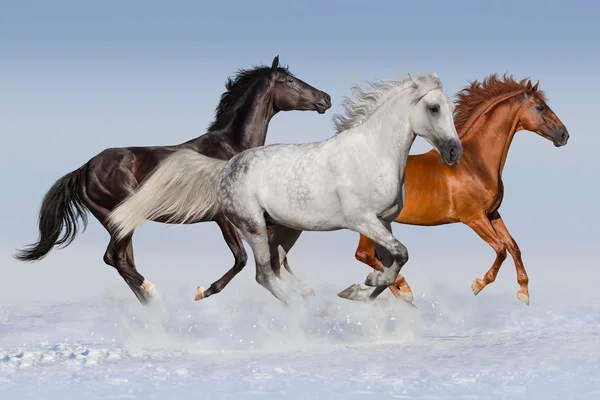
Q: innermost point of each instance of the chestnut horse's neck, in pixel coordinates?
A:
(488, 138)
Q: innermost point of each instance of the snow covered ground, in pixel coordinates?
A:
(245, 345)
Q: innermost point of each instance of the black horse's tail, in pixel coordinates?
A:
(62, 207)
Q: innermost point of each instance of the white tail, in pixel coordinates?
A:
(183, 188)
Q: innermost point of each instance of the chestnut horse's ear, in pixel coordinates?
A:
(275, 63)
(528, 88)
(535, 87)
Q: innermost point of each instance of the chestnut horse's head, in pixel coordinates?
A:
(536, 116)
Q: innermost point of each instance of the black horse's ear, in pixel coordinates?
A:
(275, 63)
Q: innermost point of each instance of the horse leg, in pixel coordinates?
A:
(254, 231)
(485, 230)
(119, 255)
(366, 254)
(381, 234)
(240, 258)
(282, 240)
(515, 253)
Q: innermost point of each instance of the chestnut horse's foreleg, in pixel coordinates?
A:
(483, 227)
(236, 246)
(515, 253)
(366, 254)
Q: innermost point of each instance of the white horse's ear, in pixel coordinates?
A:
(412, 80)
(436, 75)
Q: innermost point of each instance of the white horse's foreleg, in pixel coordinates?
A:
(381, 233)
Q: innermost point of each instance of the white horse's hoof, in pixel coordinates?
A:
(199, 293)
(350, 293)
(374, 279)
(523, 298)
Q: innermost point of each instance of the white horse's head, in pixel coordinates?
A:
(431, 118)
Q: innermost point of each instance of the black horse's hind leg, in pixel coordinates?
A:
(120, 256)
(236, 246)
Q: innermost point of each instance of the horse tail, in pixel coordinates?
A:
(62, 208)
(182, 188)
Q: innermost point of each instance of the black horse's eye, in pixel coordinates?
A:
(434, 109)
(290, 79)
(539, 107)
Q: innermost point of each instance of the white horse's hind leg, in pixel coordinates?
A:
(282, 241)
(255, 233)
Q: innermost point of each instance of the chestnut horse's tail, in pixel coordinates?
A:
(62, 208)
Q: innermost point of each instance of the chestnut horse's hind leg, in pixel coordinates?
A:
(515, 253)
(483, 227)
(236, 246)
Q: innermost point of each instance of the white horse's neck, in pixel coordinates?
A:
(387, 133)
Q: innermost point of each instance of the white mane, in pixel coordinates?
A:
(368, 99)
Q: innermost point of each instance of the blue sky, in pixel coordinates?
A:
(77, 77)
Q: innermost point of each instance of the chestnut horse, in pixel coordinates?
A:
(487, 116)
(242, 117)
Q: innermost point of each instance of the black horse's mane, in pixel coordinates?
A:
(237, 88)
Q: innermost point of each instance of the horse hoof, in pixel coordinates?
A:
(350, 292)
(476, 286)
(523, 298)
(406, 296)
(373, 278)
(199, 293)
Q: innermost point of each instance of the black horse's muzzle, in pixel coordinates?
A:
(323, 104)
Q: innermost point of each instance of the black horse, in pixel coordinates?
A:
(241, 122)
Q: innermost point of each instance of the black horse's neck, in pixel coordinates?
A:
(243, 114)
(250, 120)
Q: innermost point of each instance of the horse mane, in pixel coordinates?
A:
(236, 89)
(478, 96)
(369, 98)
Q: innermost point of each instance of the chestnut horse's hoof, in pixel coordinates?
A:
(477, 285)
(524, 298)
(401, 295)
(406, 296)
(199, 293)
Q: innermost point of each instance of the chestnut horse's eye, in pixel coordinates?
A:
(539, 107)
(434, 109)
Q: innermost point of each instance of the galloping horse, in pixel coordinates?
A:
(241, 121)
(488, 115)
(353, 180)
